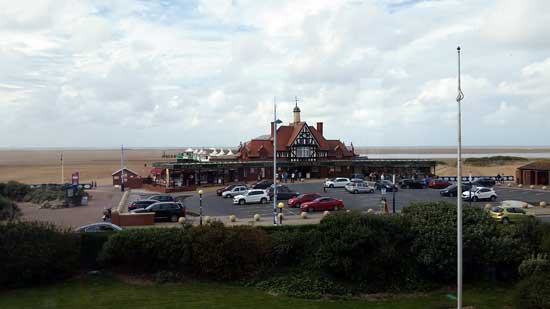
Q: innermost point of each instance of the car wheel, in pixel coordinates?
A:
(263, 200)
(331, 186)
(174, 218)
(371, 190)
(310, 209)
(476, 198)
(336, 208)
(297, 205)
(355, 192)
(505, 220)
(242, 202)
(493, 198)
(229, 196)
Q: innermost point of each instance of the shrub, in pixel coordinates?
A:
(534, 265)
(35, 253)
(148, 250)
(9, 210)
(91, 246)
(303, 284)
(43, 194)
(15, 190)
(222, 253)
(294, 244)
(533, 292)
(434, 225)
(367, 249)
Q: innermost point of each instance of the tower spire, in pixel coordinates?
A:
(296, 111)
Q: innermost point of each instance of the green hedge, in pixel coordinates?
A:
(533, 292)
(35, 253)
(9, 210)
(14, 190)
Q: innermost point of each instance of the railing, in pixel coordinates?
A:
(467, 178)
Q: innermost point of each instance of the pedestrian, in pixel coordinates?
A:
(498, 178)
(300, 176)
(292, 177)
(325, 185)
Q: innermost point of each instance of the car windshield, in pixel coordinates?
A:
(497, 209)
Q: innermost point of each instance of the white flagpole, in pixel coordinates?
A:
(62, 170)
(459, 98)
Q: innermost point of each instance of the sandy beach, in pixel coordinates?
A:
(44, 165)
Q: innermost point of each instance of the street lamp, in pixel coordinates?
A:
(393, 194)
(275, 123)
(459, 98)
(200, 206)
(280, 206)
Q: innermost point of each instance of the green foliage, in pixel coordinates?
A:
(91, 246)
(533, 292)
(43, 194)
(35, 253)
(434, 244)
(304, 285)
(148, 250)
(294, 244)
(534, 265)
(372, 250)
(223, 253)
(14, 190)
(9, 210)
(494, 160)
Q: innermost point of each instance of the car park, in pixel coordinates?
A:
(321, 204)
(338, 182)
(439, 184)
(506, 214)
(162, 198)
(411, 184)
(252, 196)
(165, 210)
(452, 189)
(237, 190)
(302, 198)
(388, 185)
(140, 204)
(99, 228)
(264, 184)
(359, 187)
(479, 193)
(283, 193)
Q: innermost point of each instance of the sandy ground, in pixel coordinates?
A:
(43, 165)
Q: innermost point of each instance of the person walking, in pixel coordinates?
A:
(292, 177)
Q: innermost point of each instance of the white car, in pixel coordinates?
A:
(359, 187)
(480, 193)
(238, 190)
(337, 182)
(252, 196)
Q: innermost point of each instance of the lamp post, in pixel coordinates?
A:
(459, 98)
(280, 206)
(393, 195)
(275, 123)
(200, 206)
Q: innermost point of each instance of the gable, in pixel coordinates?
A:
(304, 136)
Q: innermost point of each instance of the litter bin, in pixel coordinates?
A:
(84, 201)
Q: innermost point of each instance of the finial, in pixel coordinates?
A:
(458, 48)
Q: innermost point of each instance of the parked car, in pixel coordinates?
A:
(439, 184)
(302, 198)
(480, 193)
(164, 210)
(358, 176)
(390, 187)
(140, 204)
(162, 198)
(506, 214)
(338, 182)
(412, 184)
(99, 227)
(452, 189)
(264, 184)
(283, 193)
(322, 203)
(237, 190)
(359, 187)
(252, 196)
(484, 182)
(226, 188)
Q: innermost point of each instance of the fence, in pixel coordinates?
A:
(56, 185)
(467, 178)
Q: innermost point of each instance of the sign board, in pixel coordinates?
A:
(75, 178)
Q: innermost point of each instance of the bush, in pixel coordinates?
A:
(494, 160)
(367, 249)
(90, 248)
(534, 265)
(35, 253)
(434, 225)
(304, 285)
(15, 190)
(43, 194)
(9, 210)
(533, 292)
(294, 244)
(148, 250)
(222, 253)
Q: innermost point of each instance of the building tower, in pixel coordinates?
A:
(296, 112)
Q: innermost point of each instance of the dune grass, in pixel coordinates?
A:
(106, 292)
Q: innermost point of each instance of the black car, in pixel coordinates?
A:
(162, 198)
(140, 204)
(283, 193)
(452, 189)
(390, 187)
(484, 182)
(164, 210)
(264, 184)
(412, 184)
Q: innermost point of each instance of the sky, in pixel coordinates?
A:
(200, 73)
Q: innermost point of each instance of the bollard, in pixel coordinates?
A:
(488, 206)
(181, 220)
(544, 188)
(326, 213)
(232, 218)
(257, 217)
(532, 186)
(520, 186)
(348, 211)
(542, 204)
(207, 219)
(370, 210)
(303, 215)
(509, 184)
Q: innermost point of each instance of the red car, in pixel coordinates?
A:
(322, 203)
(439, 184)
(302, 198)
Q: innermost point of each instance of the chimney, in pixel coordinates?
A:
(320, 127)
(272, 128)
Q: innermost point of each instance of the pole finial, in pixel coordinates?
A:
(458, 48)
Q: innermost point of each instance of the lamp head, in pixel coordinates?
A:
(199, 192)
(281, 205)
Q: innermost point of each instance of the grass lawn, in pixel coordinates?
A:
(101, 292)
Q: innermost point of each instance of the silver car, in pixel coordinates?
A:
(359, 187)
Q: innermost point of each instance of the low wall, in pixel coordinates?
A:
(163, 189)
(130, 219)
